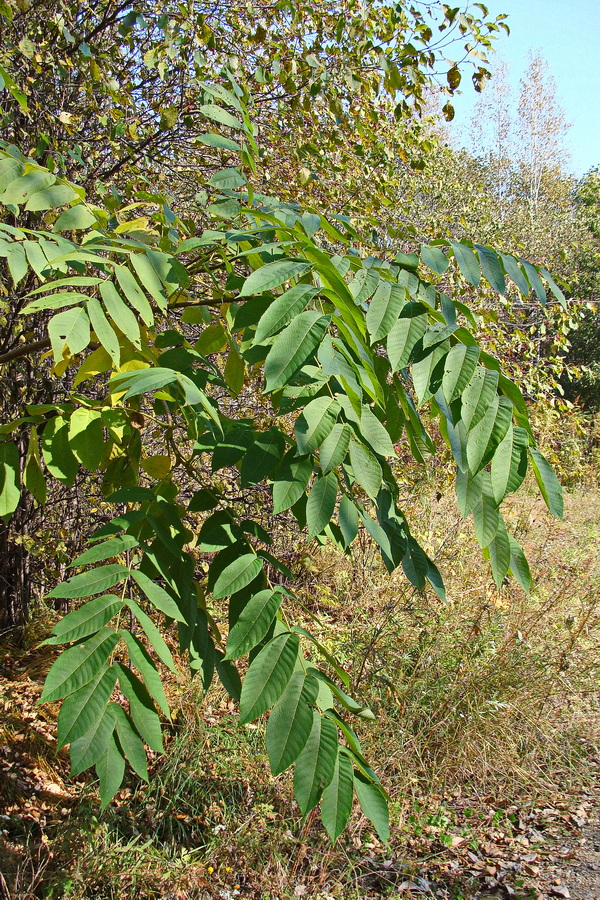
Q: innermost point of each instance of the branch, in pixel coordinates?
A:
(25, 350)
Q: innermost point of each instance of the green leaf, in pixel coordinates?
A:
(217, 114)
(237, 575)
(134, 294)
(235, 370)
(367, 470)
(149, 278)
(336, 804)
(272, 275)
(491, 268)
(142, 660)
(486, 515)
(290, 722)
(88, 619)
(478, 395)
(316, 764)
(427, 373)
(141, 709)
(384, 309)
(402, 339)
(548, 483)
(120, 313)
(10, 489)
(321, 503)
(283, 310)
(103, 329)
(110, 769)
(467, 263)
(105, 550)
(293, 347)
(157, 642)
(253, 623)
(268, 675)
(290, 481)
(509, 463)
(86, 437)
(519, 565)
(33, 475)
(468, 490)
(500, 554)
(334, 448)
(375, 434)
(157, 596)
(315, 423)
(130, 741)
(91, 746)
(93, 582)
(434, 258)
(484, 437)
(348, 517)
(71, 329)
(459, 368)
(373, 804)
(263, 457)
(50, 198)
(76, 218)
(516, 274)
(79, 665)
(80, 710)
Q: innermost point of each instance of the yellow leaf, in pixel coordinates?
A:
(157, 466)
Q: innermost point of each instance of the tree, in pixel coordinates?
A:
(111, 94)
(161, 332)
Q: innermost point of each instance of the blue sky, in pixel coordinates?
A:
(567, 33)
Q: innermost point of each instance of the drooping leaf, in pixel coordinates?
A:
(88, 619)
(141, 708)
(367, 470)
(81, 709)
(58, 456)
(321, 503)
(509, 464)
(316, 764)
(93, 582)
(237, 575)
(157, 596)
(334, 448)
(315, 423)
(268, 675)
(10, 490)
(467, 263)
(292, 347)
(283, 309)
(272, 275)
(141, 659)
(402, 339)
(384, 309)
(253, 623)
(290, 722)
(86, 437)
(459, 368)
(336, 804)
(290, 481)
(110, 769)
(548, 483)
(484, 438)
(373, 804)
(79, 665)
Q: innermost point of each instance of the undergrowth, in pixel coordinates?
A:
(488, 699)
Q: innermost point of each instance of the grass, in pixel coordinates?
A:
(486, 704)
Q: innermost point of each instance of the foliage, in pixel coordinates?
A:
(159, 334)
